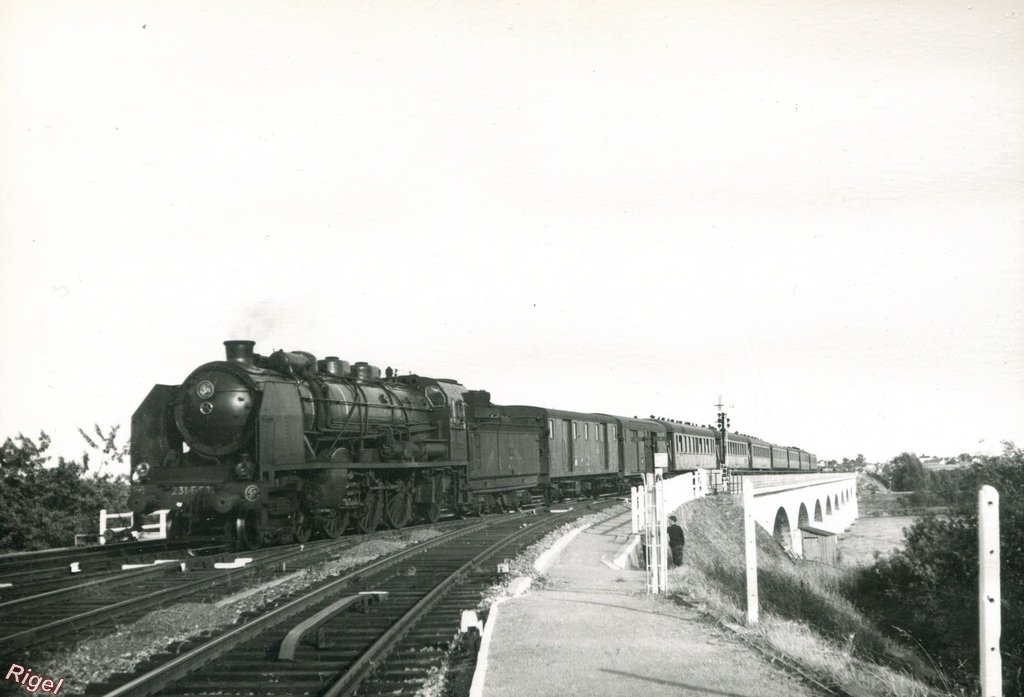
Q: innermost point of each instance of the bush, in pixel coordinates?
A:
(41, 504)
(927, 592)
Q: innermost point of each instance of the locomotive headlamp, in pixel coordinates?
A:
(244, 468)
(140, 472)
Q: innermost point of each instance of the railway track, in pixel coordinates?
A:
(380, 629)
(47, 563)
(66, 577)
(93, 605)
(55, 618)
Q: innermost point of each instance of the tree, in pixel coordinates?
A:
(104, 446)
(906, 473)
(43, 504)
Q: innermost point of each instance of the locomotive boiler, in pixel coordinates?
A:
(280, 445)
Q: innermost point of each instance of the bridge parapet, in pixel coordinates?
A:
(781, 482)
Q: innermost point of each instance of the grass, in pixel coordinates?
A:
(803, 613)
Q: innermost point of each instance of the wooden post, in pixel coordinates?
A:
(989, 598)
(750, 549)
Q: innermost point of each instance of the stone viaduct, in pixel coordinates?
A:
(805, 508)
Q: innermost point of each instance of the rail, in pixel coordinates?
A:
(164, 675)
(350, 680)
(412, 602)
(14, 638)
(293, 638)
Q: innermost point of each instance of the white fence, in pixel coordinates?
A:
(117, 527)
(676, 491)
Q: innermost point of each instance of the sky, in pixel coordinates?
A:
(813, 209)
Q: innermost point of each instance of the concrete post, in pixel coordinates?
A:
(103, 525)
(637, 500)
(750, 550)
(662, 536)
(655, 528)
(989, 598)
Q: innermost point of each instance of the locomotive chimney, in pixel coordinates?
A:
(239, 351)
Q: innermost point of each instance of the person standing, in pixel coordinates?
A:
(676, 541)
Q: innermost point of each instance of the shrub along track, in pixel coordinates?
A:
(315, 643)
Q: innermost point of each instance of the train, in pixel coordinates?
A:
(277, 448)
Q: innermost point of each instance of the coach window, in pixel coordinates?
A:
(551, 429)
(574, 430)
(586, 431)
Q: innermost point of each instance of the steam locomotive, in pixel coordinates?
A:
(274, 448)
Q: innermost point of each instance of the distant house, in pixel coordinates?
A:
(939, 464)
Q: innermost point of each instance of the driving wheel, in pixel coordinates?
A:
(430, 512)
(399, 508)
(334, 523)
(371, 512)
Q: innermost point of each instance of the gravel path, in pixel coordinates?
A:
(587, 629)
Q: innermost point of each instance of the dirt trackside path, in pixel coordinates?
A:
(592, 630)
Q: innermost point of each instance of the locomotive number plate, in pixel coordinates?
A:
(186, 490)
